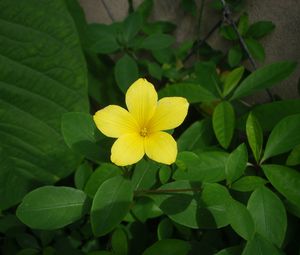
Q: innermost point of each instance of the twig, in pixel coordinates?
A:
(159, 191)
(108, 10)
(227, 15)
(199, 23)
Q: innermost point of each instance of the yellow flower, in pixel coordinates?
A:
(139, 130)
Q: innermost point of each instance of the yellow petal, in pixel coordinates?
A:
(114, 121)
(141, 100)
(170, 113)
(127, 149)
(161, 147)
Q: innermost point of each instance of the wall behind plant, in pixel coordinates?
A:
(281, 44)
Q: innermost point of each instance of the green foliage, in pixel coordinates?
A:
(231, 190)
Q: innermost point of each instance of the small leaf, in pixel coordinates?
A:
(119, 242)
(157, 42)
(254, 136)
(256, 49)
(223, 120)
(194, 93)
(234, 56)
(168, 247)
(197, 136)
(286, 180)
(240, 219)
(111, 204)
(132, 25)
(260, 29)
(104, 172)
(248, 183)
(164, 229)
(51, 207)
(234, 250)
(243, 24)
(154, 70)
(228, 33)
(144, 208)
(145, 8)
(232, 80)
(164, 174)
(284, 137)
(260, 246)
(236, 163)
(264, 78)
(126, 72)
(294, 157)
(262, 204)
(82, 174)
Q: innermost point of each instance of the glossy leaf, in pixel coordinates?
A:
(43, 76)
(254, 136)
(104, 172)
(248, 183)
(260, 29)
(51, 207)
(236, 163)
(269, 215)
(82, 174)
(286, 180)
(119, 242)
(111, 204)
(132, 25)
(256, 49)
(294, 157)
(157, 42)
(223, 120)
(263, 78)
(168, 247)
(144, 208)
(194, 93)
(240, 219)
(232, 79)
(234, 56)
(164, 229)
(284, 137)
(126, 72)
(260, 246)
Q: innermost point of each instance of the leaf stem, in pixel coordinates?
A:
(159, 191)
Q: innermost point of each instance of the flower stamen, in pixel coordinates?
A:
(143, 132)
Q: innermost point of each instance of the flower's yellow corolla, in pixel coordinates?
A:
(139, 130)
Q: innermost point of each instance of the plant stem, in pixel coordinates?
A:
(159, 191)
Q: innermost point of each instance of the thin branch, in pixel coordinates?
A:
(159, 191)
(200, 23)
(108, 10)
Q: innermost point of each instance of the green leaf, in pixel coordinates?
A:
(223, 121)
(164, 229)
(119, 242)
(168, 247)
(269, 215)
(144, 208)
(194, 209)
(111, 204)
(264, 77)
(43, 76)
(286, 180)
(145, 8)
(194, 93)
(284, 137)
(240, 219)
(51, 207)
(104, 172)
(232, 80)
(126, 72)
(256, 49)
(207, 167)
(234, 56)
(102, 39)
(132, 25)
(158, 27)
(82, 174)
(197, 136)
(294, 157)
(79, 131)
(144, 175)
(243, 24)
(157, 42)
(154, 70)
(254, 136)
(260, 29)
(236, 163)
(234, 250)
(164, 174)
(260, 246)
(228, 33)
(248, 183)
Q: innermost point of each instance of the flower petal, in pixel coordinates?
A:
(161, 147)
(114, 121)
(170, 113)
(141, 100)
(127, 150)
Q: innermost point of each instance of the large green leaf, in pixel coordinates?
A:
(223, 120)
(43, 75)
(260, 29)
(194, 93)
(248, 183)
(111, 204)
(232, 79)
(286, 180)
(52, 207)
(264, 78)
(284, 137)
(269, 215)
(169, 247)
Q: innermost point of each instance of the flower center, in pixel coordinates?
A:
(143, 132)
